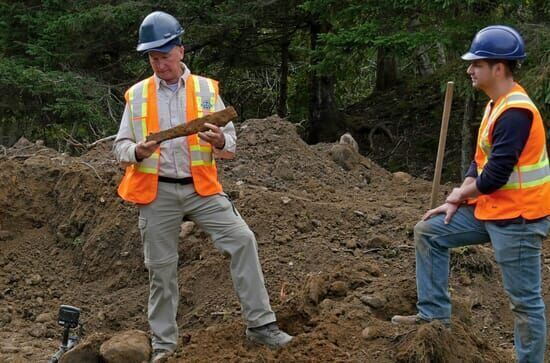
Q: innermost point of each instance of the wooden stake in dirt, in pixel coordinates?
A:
(220, 118)
(442, 140)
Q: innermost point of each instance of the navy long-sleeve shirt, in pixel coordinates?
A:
(510, 135)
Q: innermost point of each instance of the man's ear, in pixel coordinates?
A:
(500, 70)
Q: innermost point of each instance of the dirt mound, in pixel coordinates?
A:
(335, 244)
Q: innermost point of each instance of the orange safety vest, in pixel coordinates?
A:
(140, 182)
(527, 192)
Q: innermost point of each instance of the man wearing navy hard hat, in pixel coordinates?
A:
(178, 179)
(504, 199)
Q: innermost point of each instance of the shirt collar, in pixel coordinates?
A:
(183, 78)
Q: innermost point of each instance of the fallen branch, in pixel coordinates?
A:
(71, 140)
(26, 156)
(391, 152)
(405, 247)
(90, 166)
(224, 313)
(349, 250)
(111, 137)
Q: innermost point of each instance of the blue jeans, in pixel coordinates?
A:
(517, 251)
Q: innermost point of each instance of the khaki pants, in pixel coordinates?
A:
(159, 224)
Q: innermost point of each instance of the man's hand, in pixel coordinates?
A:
(145, 149)
(213, 136)
(456, 196)
(449, 209)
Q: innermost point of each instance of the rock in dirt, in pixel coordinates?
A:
(338, 288)
(21, 143)
(378, 241)
(352, 244)
(347, 139)
(186, 229)
(33, 280)
(85, 352)
(44, 317)
(371, 332)
(345, 156)
(240, 171)
(402, 177)
(374, 301)
(131, 346)
(315, 289)
(37, 331)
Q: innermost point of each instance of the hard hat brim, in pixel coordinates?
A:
(157, 44)
(471, 56)
(164, 49)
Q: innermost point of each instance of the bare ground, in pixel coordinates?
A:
(336, 249)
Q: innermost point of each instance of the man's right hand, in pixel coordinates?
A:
(145, 149)
(449, 209)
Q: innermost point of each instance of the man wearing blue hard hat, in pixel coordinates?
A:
(178, 179)
(504, 199)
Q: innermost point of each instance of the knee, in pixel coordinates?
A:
(421, 229)
(243, 235)
(523, 303)
(237, 238)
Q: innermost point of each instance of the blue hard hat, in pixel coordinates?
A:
(497, 42)
(158, 32)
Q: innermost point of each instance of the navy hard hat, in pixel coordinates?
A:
(157, 31)
(497, 42)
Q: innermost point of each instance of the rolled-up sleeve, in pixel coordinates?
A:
(124, 146)
(228, 151)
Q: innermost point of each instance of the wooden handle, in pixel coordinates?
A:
(442, 140)
(220, 119)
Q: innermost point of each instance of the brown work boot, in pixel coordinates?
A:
(408, 320)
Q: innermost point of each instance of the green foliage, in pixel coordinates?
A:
(65, 65)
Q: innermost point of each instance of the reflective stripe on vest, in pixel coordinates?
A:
(205, 95)
(204, 90)
(137, 101)
(524, 176)
(514, 98)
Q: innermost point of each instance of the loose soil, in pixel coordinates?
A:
(335, 245)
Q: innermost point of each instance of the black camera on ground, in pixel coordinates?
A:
(68, 319)
(68, 316)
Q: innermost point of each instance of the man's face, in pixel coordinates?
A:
(481, 74)
(167, 65)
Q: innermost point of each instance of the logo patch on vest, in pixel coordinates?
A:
(206, 105)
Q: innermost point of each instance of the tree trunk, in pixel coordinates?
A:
(325, 119)
(386, 70)
(282, 109)
(467, 146)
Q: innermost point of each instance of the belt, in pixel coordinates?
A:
(183, 181)
(518, 220)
